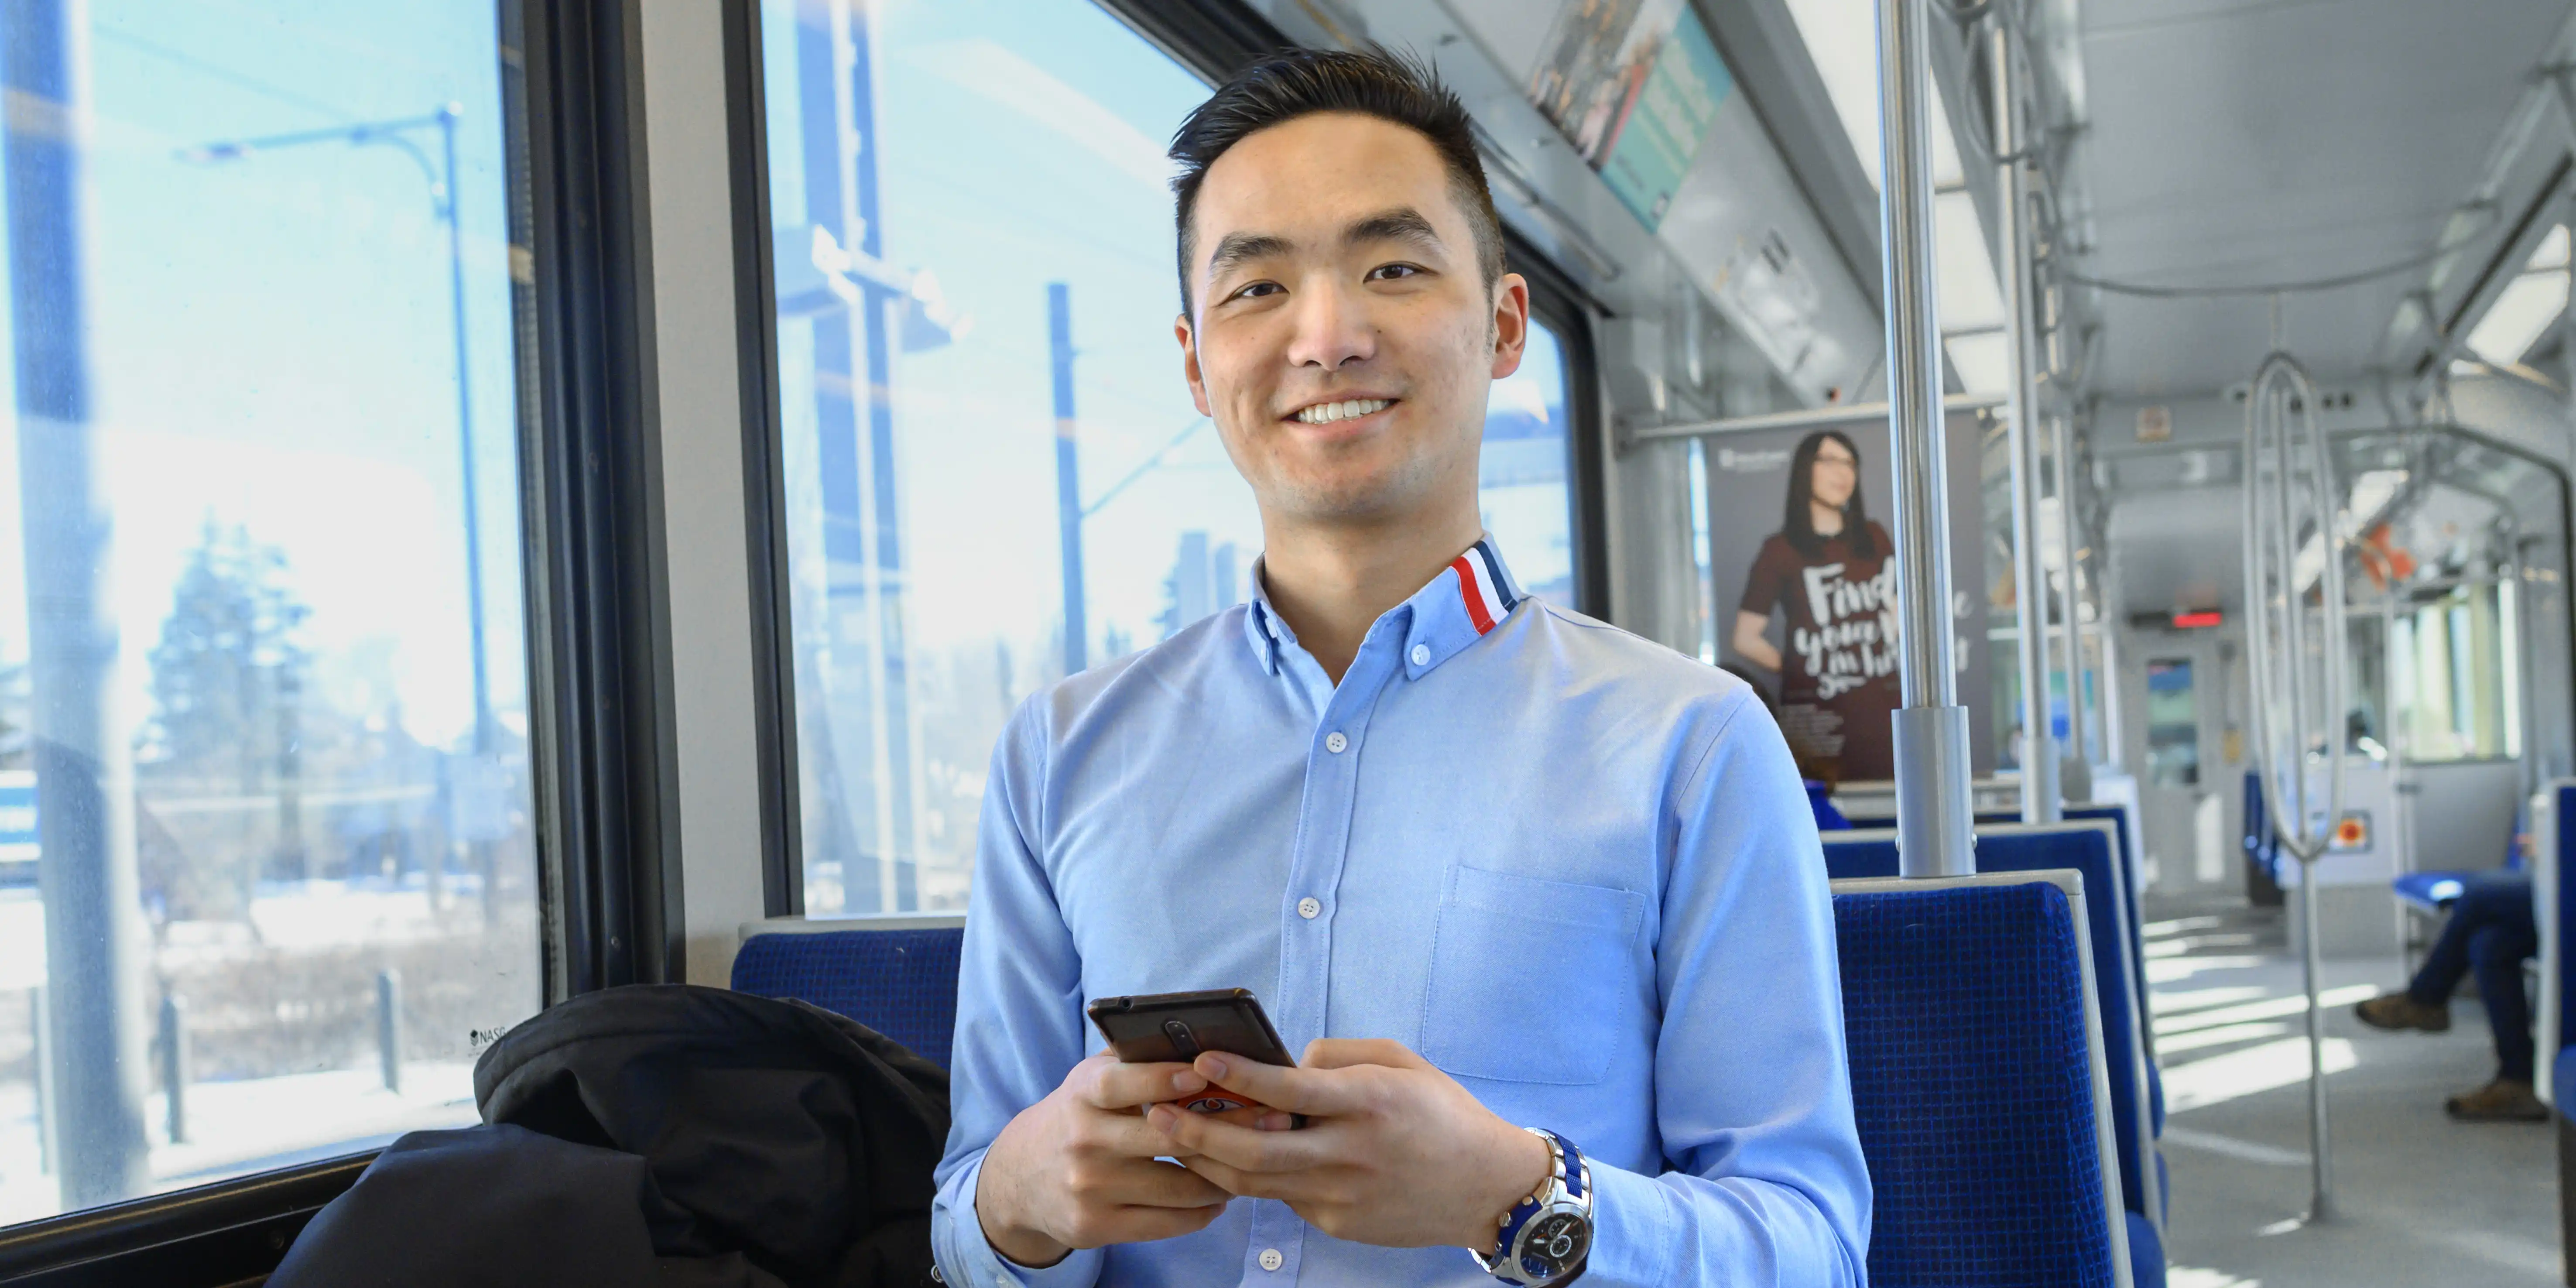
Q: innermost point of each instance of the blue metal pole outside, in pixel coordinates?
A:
(84, 763)
(1068, 473)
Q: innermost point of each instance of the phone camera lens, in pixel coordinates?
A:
(1182, 1041)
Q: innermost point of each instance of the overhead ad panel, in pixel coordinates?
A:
(1635, 86)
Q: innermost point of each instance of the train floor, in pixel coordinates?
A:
(2421, 1200)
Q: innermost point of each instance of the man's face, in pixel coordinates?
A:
(1344, 339)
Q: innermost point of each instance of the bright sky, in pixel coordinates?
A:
(272, 344)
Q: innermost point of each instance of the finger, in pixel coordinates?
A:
(1158, 1185)
(1343, 1053)
(1147, 1224)
(1320, 1092)
(1246, 1148)
(1134, 1086)
(1287, 1187)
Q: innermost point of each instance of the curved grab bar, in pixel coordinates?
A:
(2290, 497)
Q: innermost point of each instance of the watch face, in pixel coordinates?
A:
(1555, 1242)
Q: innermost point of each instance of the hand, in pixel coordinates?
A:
(1395, 1153)
(1081, 1168)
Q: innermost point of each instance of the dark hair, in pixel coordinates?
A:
(1799, 524)
(1392, 87)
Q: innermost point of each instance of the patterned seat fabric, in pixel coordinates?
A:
(2088, 851)
(902, 983)
(1964, 1012)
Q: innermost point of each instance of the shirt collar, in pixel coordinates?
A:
(1469, 598)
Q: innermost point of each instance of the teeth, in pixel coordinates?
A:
(1327, 413)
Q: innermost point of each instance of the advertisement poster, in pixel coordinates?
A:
(1805, 585)
(1635, 86)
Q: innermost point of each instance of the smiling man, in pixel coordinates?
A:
(1541, 901)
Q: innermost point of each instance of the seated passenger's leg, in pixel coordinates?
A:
(2497, 951)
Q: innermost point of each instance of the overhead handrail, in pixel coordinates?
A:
(2290, 500)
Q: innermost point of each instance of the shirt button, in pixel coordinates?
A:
(1271, 1260)
(1335, 743)
(1422, 655)
(1309, 908)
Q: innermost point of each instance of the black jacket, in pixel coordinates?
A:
(663, 1134)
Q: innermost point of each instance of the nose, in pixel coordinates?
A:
(1332, 328)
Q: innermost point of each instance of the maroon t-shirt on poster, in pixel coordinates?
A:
(1838, 680)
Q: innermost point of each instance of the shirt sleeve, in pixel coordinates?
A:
(1762, 584)
(1019, 1011)
(1752, 1090)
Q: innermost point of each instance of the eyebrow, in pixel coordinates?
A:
(1403, 224)
(1240, 248)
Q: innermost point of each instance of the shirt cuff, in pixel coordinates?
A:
(1635, 1227)
(966, 1258)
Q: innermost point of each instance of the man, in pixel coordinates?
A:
(1490, 865)
(2490, 933)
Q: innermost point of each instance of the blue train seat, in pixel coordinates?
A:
(1978, 1080)
(896, 974)
(2553, 900)
(2086, 847)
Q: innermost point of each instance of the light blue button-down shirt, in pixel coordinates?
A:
(1572, 868)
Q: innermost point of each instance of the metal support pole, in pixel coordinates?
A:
(2075, 777)
(1933, 815)
(389, 1028)
(1068, 474)
(2038, 757)
(83, 747)
(177, 1068)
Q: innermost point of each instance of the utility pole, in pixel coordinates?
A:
(1068, 473)
(84, 762)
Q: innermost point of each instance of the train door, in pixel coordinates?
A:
(2185, 749)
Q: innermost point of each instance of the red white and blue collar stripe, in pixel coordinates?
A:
(1483, 587)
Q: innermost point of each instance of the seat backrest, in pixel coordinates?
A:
(897, 975)
(1977, 1081)
(2553, 903)
(2117, 816)
(2084, 846)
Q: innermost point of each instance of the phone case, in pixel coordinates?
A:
(1157, 1028)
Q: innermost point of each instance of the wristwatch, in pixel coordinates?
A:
(1546, 1235)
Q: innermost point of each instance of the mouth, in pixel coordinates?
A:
(1331, 413)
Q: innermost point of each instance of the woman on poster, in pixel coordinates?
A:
(1832, 573)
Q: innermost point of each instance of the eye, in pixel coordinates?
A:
(1257, 290)
(1393, 272)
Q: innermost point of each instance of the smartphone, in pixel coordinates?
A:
(1158, 1028)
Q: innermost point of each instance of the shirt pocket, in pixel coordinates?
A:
(1531, 980)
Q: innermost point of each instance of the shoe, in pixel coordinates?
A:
(2400, 1011)
(2500, 1101)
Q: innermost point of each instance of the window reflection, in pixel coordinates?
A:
(266, 876)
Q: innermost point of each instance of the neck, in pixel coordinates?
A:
(1827, 520)
(1332, 582)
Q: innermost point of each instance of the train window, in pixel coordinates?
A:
(266, 875)
(994, 474)
(2173, 724)
(1522, 475)
(2453, 675)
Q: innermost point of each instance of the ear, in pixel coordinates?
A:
(1190, 362)
(1511, 322)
